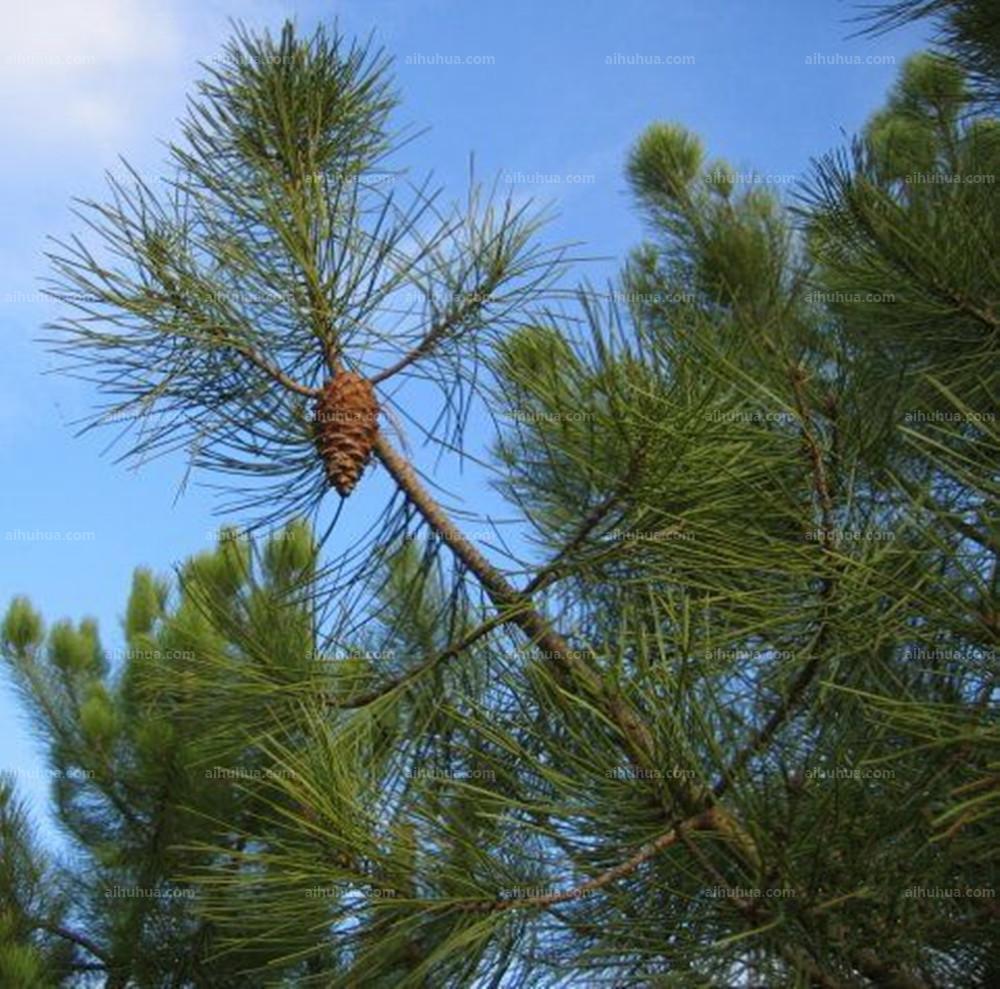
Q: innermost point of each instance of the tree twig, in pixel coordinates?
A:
(550, 571)
(437, 332)
(449, 652)
(705, 821)
(275, 373)
(79, 939)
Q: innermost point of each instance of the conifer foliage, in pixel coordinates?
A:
(719, 710)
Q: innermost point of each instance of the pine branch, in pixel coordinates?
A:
(437, 332)
(550, 571)
(89, 945)
(705, 821)
(275, 373)
(453, 651)
(515, 607)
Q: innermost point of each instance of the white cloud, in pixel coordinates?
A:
(73, 71)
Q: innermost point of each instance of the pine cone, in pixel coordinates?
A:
(345, 421)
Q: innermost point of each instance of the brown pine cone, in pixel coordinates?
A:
(345, 421)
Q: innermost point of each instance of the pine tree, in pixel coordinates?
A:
(727, 713)
(141, 775)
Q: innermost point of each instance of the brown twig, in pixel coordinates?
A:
(821, 483)
(449, 652)
(275, 373)
(437, 332)
(705, 821)
(79, 939)
(550, 572)
(220, 335)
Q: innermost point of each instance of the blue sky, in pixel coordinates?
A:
(82, 81)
